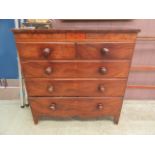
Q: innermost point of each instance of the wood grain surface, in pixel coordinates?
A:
(35, 51)
(74, 69)
(126, 35)
(75, 73)
(76, 87)
(93, 50)
(84, 108)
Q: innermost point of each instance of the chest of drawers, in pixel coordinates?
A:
(75, 73)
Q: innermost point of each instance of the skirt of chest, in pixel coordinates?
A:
(75, 74)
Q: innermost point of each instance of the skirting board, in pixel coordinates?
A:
(11, 92)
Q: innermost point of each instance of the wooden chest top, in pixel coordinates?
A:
(123, 35)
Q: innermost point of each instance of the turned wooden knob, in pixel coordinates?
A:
(102, 70)
(50, 89)
(48, 70)
(105, 51)
(46, 52)
(101, 88)
(52, 106)
(100, 106)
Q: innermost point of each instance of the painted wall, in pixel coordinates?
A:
(8, 56)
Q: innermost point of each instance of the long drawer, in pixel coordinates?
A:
(75, 87)
(75, 107)
(73, 69)
(75, 50)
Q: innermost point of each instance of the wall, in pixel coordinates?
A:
(8, 57)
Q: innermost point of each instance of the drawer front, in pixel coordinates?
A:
(46, 51)
(76, 87)
(105, 51)
(76, 69)
(75, 35)
(76, 107)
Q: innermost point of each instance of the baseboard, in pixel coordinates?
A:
(11, 92)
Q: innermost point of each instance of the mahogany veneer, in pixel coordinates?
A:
(84, 108)
(70, 69)
(75, 73)
(76, 87)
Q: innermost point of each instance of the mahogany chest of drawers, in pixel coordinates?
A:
(75, 73)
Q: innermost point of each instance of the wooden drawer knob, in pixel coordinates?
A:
(101, 88)
(50, 89)
(102, 70)
(105, 51)
(99, 106)
(46, 52)
(48, 70)
(52, 106)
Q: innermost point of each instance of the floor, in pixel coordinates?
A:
(137, 117)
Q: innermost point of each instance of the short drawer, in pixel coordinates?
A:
(46, 51)
(76, 107)
(93, 69)
(76, 87)
(105, 51)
